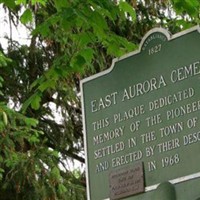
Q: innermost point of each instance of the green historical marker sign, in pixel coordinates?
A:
(142, 120)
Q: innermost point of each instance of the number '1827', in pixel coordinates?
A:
(155, 49)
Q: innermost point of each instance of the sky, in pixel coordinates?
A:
(19, 33)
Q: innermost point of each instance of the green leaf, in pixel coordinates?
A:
(13, 160)
(59, 4)
(61, 189)
(127, 8)
(18, 2)
(118, 46)
(33, 139)
(2, 170)
(5, 118)
(87, 54)
(1, 93)
(26, 16)
(99, 21)
(9, 3)
(1, 79)
(35, 102)
(193, 7)
(43, 2)
(77, 63)
(33, 2)
(113, 49)
(55, 174)
(55, 153)
(47, 84)
(31, 121)
(38, 81)
(183, 23)
(67, 18)
(84, 38)
(4, 60)
(42, 29)
(189, 6)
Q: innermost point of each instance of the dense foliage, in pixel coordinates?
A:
(42, 131)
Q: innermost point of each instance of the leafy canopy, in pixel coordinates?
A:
(41, 130)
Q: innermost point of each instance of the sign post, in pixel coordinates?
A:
(142, 120)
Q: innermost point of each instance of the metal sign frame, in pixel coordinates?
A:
(169, 38)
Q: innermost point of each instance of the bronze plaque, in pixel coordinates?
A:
(126, 181)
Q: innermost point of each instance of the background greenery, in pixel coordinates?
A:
(70, 40)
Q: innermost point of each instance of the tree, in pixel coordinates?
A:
(70, 40)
